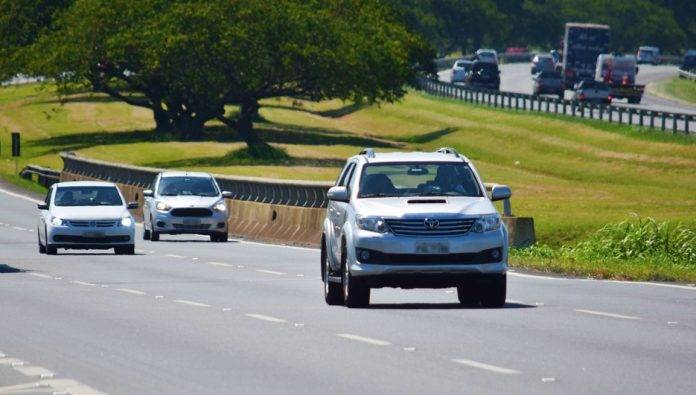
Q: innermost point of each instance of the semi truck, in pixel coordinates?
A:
(582, 44)
(619, 72)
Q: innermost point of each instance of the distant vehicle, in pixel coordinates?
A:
(487, 55)
(648, 55)
(590, 91)
(516, 50)
(483, 75)
(689, 60)
(459, 70)
(413, 220)
(582, 44)
(619, 72)
(541, 63)
(185, 203)
(557, 58)
(86, 215)
(548, 82)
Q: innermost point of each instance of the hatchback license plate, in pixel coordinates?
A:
(190, 222)
(93, 234)
(432, 248)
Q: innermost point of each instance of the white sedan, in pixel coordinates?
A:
(86, 215)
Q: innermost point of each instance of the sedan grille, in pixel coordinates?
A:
(430, 227)
(191, 212)
(92, 224)
(192, 227)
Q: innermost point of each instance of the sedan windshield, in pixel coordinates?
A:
(418, 179)
(87, 196)
(191, 186)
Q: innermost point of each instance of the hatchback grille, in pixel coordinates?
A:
(191, 212)
(106, 224)
(79, 224)
(417, 227)
(97, 224)
(192, 227)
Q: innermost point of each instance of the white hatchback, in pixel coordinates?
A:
(86, 215)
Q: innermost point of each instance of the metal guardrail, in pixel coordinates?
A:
(44, 176)
(676, 122)
(687, 75)
(447, 63)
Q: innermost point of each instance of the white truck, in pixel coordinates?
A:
(619, 72)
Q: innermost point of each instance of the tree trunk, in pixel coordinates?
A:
(245, 128)
(163, 123)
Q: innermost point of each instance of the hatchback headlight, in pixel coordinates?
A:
(486, 223)
(373, 224)
(162, 206)
(126, 221)
(220, 206)
(55, 221)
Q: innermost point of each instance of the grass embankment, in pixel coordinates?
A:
(675, 88)
(572, 176)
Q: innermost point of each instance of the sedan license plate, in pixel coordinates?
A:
(93, 234)
(432, 248)
(192, 221)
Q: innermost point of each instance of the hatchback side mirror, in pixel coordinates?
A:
(42, 206)
(133, 205)
(148, 193)
(227, 194)
(500, 192)
(338, 194)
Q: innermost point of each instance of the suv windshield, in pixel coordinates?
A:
(418, 179)
(188, 186)
(87, 196)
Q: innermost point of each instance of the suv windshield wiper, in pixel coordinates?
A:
(373, 195)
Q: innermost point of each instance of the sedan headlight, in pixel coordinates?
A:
(162, 206)
(220, 206)
(486, 223)
(57, 221)
(126, 221)
(373, 224)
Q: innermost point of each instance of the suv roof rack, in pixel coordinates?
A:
(369, 152)
(448, 151)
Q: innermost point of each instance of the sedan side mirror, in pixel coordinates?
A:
(500, 192)
(227, 194)
(338, 194)
(148, 193)
(42, 206)
(133, 205)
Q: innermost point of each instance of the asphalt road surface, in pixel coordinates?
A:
(516, 77)
(188, 316)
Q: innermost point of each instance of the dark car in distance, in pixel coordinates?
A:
(484, 75)
(548, 82)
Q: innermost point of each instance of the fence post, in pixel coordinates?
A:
(517, 102)
(573, 106)
(601, 111)
(630, 117)
(652, 119)
(555, 106)
(687, 118)
(495, 100)
(641, 113)
(664, 117)
(564, 107)
(620, 115)
(591, 111)
(674, 123)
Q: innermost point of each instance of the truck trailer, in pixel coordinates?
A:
(582, 44)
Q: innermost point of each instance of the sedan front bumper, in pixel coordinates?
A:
(166, 223)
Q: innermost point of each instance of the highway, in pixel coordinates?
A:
(187, 316)
(516, 77)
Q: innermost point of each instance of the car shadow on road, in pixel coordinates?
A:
(193, 241)
(95, 254)
(443, 306)
(9, 269)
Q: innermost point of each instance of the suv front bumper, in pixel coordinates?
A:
(164, 222)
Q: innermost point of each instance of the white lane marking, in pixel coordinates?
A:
(368, 340)
(548, 379)
(139, 251)
(17, 195)
(36, 371)
(266, 318)
(515, 301)
(11, 362)
(175, 256)
(191, 303)
(130, 291)
(40, 275)
(72, 387)
(523, 275)
(279, 245)
(485, 366)
(19, 228)
(83, 283)
(270, 272)
(604, 314)
(689, 287)
(219, 264)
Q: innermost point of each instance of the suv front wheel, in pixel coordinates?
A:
(355, 293)
(333, 292)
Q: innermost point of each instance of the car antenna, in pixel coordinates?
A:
(369, 152)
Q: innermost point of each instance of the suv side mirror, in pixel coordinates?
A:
(132, 205)
(148, 193)
(338, 194)
(500, 192)
(227, 194)
(42, 206)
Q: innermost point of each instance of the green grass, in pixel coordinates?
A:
(676, 89)
(573, 176)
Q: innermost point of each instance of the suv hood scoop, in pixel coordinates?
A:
(426, 201)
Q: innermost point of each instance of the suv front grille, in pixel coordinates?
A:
(418, 227)
(191, 212)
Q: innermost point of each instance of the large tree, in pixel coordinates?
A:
(187, 60)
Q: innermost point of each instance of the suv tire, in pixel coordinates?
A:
(51, 250)
(469, 293)
(355, 293)
(494, 291)
(333, 292)
(146, 233)
(218, 237)
(125, 250)
(154, 236)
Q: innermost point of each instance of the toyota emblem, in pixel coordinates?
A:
(431, 223)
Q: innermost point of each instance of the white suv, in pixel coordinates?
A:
(413, 220)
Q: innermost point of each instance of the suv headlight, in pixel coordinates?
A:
(486, 223)
(373, 224)
(55, 221)
(220, 206)
(126, 220)
(162, 206)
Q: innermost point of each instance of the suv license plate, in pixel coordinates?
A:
(192, 222)
(432, 248)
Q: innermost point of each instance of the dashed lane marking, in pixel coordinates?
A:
(485, 366)
(191, 303)
(604, 314)
(130, 291)
(266, 318)
(219, 264)
(83, 283)
(270, 272)
(41, 275)
(175, 256)
(19, 228)
(368, 340)
(35, 371)
(17, 195)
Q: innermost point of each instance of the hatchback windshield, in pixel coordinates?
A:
(194, 186)
(87, 196)
(418, 179)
